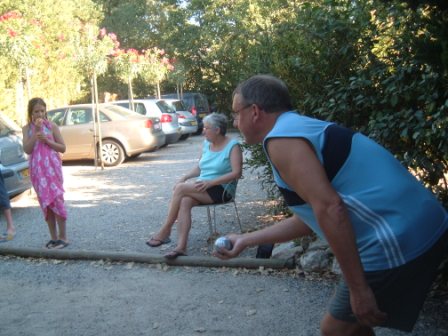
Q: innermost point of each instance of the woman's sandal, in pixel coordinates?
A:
(154, 242)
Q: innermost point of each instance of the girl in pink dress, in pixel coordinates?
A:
(43, 141)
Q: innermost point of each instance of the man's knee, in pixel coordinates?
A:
(330, 326)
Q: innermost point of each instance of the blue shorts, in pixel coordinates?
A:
(400, 292)
(4, 197)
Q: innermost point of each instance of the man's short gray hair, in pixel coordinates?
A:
(268, 92)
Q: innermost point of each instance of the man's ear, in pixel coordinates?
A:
(256, 113)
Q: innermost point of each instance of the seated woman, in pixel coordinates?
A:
(220, 166)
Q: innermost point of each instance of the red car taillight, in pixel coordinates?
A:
(166, 118)
(148, 123)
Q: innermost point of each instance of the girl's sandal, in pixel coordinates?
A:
(51, 244)
(60, 244)
(7, 237)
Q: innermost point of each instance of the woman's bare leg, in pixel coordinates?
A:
(181, 190)
(184, 223)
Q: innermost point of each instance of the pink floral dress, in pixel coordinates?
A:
(46, 174)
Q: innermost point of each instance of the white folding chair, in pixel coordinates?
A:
(211, 214)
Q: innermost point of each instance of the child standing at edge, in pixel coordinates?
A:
(5, 204)
(43, 141)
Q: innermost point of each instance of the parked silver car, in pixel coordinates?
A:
(187, 121)
(124, 133)
(159, 109)
(13, 160)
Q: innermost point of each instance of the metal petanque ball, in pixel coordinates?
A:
(223, 242)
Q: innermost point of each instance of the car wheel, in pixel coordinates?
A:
(184, 136)
(112, 153)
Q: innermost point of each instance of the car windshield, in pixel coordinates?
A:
(165, 107)
(178, 105)
(7, 126)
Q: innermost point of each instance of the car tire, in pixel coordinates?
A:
(184, 136)
(112, 154)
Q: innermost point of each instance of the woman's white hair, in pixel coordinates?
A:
(217, 120)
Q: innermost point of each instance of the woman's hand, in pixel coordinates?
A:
(202, 186)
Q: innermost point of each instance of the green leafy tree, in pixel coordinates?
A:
(128, 64)
(52, 26)
(19, 38)
(94, 46)
(156, 66)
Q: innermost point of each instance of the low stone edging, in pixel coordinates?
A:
(252, 263)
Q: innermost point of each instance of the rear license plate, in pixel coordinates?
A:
(25, 172)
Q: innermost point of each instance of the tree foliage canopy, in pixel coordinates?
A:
(377, 66)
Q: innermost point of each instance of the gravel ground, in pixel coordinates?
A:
(115, 210)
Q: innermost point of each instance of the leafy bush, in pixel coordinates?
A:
(364, 67)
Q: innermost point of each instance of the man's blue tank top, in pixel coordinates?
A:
(395, 219)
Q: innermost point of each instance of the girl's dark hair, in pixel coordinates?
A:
(33, 102)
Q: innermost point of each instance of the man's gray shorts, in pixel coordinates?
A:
(400, 292)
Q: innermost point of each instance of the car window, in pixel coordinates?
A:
(201, 103)
(178, 105)
(103, 117)
(56, 116)
(122, 104)
(119, 112)
(9, 123)
(140, 108)
(165, 107)
(4, 129)
(196, 101)
(189, 102)
(79, 116)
